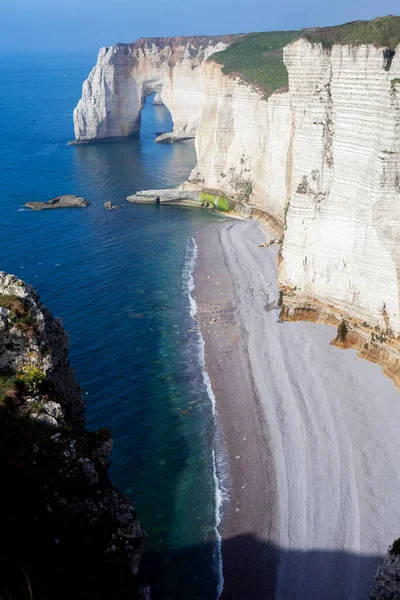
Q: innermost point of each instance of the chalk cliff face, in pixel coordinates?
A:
(243, 143)
(114, 94)
(65, 530)
(342, 225)
(323, 160)
(319, 160)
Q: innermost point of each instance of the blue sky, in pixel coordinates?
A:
(86, 25)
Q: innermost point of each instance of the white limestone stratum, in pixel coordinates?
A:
(322, 159)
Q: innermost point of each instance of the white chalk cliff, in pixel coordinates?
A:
(342, 223)
(320, 160)
(243, 142)
(115, 92)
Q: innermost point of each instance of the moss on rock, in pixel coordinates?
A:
(218, 202)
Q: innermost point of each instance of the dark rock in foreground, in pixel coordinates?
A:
(67, 201)
(66, 532)
(387, 579)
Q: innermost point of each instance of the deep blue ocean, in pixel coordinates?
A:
(119, 280)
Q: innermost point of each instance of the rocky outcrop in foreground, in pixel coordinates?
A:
(66, 532)
(387, 579)
(66, 201)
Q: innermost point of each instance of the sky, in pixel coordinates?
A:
(86, 25)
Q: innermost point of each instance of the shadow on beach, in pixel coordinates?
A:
(255, 570)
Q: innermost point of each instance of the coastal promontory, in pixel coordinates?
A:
(298, 129)
(66, 531)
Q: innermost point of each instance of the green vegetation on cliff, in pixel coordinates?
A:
(384, 31)
(219, 202)
(395, 547)
(258, 57)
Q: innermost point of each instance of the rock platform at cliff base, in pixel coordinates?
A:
(171, 138)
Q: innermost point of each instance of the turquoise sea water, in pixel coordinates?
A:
(119, 280)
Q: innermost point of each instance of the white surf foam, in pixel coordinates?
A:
(218, 461)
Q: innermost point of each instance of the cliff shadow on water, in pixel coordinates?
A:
(258, 570)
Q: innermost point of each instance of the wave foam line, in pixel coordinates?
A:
(220, 491)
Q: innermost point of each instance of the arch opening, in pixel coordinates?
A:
(158, 112)
(163, 117)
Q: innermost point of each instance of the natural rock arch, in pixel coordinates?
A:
(149, 87)
(114, 94)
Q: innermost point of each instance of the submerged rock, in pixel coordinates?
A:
(66, 201)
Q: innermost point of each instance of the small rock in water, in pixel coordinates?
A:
(66, 201)
(111, 206)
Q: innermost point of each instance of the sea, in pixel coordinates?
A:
(122, 281)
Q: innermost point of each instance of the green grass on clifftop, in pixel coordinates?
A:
(258, 57)
(384, 31)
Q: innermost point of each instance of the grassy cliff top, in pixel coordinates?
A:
(384, 31)
(258, 57)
